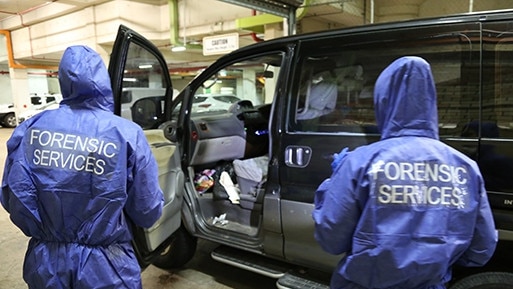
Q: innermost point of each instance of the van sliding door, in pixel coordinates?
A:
(331, 107)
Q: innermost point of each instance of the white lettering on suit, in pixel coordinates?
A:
(70, 151)
(420, 183)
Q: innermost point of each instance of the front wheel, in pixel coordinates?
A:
(9, 120)
(178, 252)
(487, 280)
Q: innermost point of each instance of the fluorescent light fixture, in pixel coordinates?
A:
(129, 79)
(145, 66)
(178, 48)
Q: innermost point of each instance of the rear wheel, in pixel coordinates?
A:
(179, 252)
(487, 280)
(9, 120)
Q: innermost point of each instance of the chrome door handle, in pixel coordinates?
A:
(297, 156)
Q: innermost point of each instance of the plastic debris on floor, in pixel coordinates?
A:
(221, 220)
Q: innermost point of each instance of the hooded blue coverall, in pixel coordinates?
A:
(71, 176)
(406, 208)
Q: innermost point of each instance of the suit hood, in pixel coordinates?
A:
(405, 99)
(84, 79)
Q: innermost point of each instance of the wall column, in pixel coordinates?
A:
(20, 89)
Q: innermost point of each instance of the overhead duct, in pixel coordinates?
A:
(174, 31)
(283, 8)
(256, 23)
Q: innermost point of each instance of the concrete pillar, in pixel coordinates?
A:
(5, 84)
(249, 86)
(20, 89)
(37, 82)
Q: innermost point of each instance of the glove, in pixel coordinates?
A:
(337, 158)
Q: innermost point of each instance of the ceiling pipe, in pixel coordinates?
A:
(8, 42)
(37, 7)
(10, 55)
(303, 11)
(29, 9)
(253, 34)
(174, 35)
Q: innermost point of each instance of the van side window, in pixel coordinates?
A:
(497, 100)
(335, 88)
(331, 98)
(250, 83)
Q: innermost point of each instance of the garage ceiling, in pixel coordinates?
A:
(313, 15)
(330, 9)
(10, 8)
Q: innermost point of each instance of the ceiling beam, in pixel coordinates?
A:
(283, 8)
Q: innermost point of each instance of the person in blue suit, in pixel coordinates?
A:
(403, 210)
(72, 179)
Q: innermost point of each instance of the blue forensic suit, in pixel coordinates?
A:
(72, 178)
(406, 208)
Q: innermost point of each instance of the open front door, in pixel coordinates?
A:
(142, 92)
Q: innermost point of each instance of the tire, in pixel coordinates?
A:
(9, 120)
(179, 252)
(487, 280)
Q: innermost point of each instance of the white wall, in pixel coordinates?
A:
(5, 86)
(37, 82)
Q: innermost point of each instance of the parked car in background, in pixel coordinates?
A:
(7, 115)
(213, 102)
(28, 113)
(39, 104)
(40, 100)
(131, 94)
(303, 99)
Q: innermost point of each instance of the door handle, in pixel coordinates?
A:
(297, 156)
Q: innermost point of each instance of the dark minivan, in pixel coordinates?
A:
(245, 176)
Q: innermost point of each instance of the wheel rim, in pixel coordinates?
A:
(11, 121)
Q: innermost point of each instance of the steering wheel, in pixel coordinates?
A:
(241, 106)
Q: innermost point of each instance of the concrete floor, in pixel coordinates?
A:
(200, 273)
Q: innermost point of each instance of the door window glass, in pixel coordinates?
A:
(144, 88)
(249, 82)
